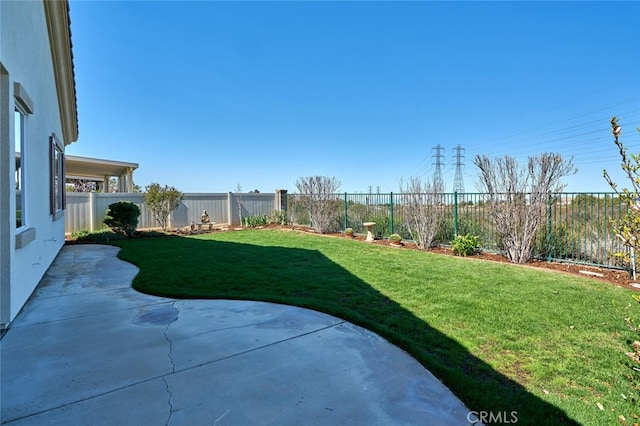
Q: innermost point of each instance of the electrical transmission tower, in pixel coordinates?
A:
(437, 175)
(458, 181)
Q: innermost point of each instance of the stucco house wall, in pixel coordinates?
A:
(32, 36)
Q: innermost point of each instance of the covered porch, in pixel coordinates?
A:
(98, 172)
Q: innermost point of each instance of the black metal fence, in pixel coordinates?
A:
(577, 226)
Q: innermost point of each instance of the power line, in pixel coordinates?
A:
(549, 136)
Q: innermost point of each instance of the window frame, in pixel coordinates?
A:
(19, 118)
(57, 189)
(23, 105)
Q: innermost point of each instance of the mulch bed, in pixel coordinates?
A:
(616, 277)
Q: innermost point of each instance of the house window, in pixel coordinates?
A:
(19, 119)
(56, 181)
(23, 107)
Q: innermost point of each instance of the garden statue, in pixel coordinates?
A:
(205, 217)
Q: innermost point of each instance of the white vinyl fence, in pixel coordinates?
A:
(86, 210)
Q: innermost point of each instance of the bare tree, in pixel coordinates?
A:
(517, 197)
(239, 201)
(421, 204)
(318, 195)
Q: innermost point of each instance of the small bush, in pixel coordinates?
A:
(122, 217)
(382, 226)
(466, 245)
(79, 233)
(348, 232)
(253, 221)
(102, 236)
(395, 238)
(277, 217)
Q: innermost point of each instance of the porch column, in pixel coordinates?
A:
(129, 179)
(281, 199)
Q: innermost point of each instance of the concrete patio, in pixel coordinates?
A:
(88, 349)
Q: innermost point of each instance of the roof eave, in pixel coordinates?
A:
(58, 26)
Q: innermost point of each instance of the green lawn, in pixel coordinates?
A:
(503, 338)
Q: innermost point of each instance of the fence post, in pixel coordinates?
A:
(92, 211)
(346, 221)
(455, 214)
(391, 210)
(549, 227)
(281, 200)
(605, 227)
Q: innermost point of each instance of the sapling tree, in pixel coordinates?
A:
(318, 196)
(239, 202)
(162, 201)
(627, 228)
(517, 197)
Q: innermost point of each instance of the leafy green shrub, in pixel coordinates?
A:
(253, 221)
(466, 245)
(395, 238)
(122, 217)
(102, 236)
(465, 225)
(79, 233)
(106, 235)
(383, 225)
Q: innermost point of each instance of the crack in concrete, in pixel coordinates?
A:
(233, 327)
(173, 364)
(174, 371)
(219, 419)
(250, 325)
(257, 348)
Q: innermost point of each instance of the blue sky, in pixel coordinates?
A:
(208, 96)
